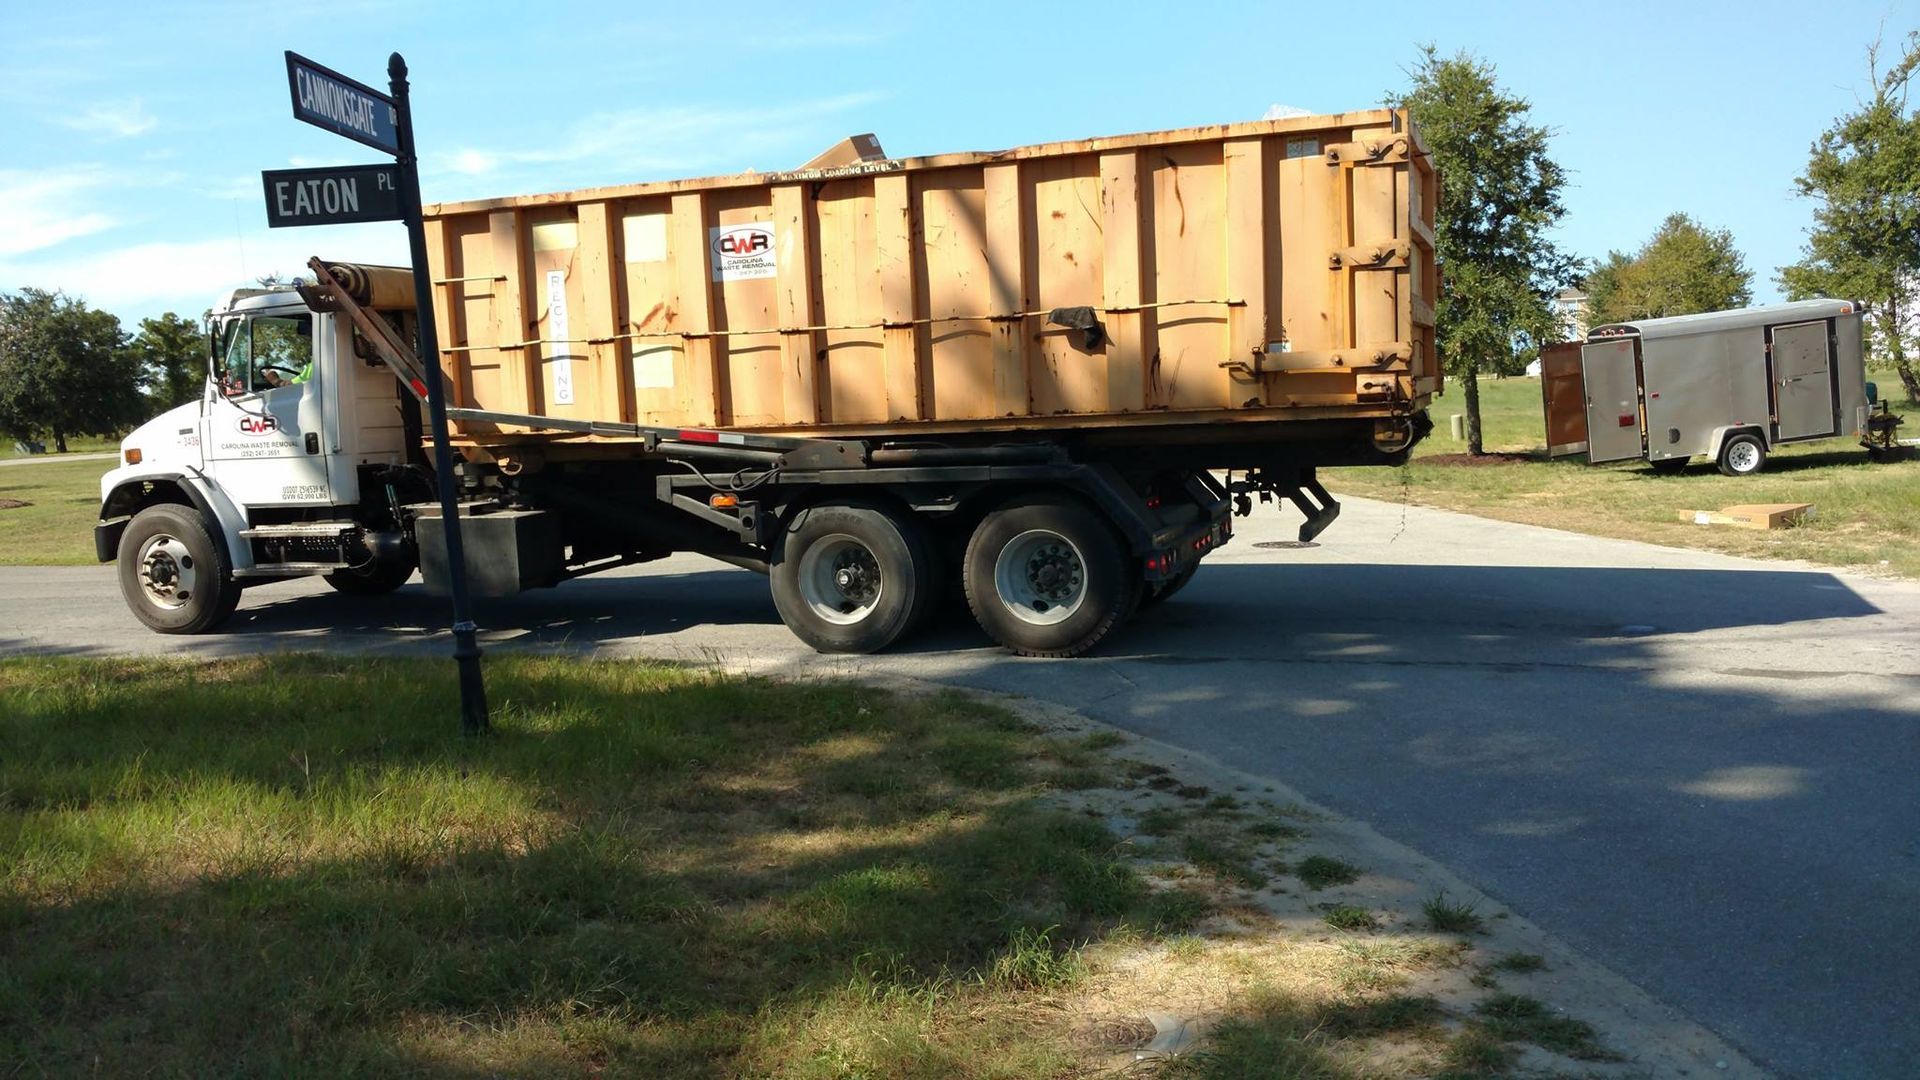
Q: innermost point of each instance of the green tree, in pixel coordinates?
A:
(64, 369)
(1499, 194)
(1864, 175)
(1684, 269)
(172, 355)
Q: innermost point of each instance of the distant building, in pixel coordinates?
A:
(1571, 306)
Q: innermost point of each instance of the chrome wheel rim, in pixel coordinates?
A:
(167, 572)
(1040, 577)
(1743, 456)
(840, 579)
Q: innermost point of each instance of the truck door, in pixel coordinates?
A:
(1564, 398)
(1802, 382)
(264, 429)
(1612, 383)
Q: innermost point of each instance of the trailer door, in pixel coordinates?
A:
(1802, 382)
(1565, 399)
(1612, 385)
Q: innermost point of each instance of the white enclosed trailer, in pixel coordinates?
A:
(1729, 386)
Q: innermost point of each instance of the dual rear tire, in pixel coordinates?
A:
(1047, 577)
(1043, 576)
(853, 577)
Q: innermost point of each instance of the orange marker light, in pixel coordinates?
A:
(133, 456)
(723, 502)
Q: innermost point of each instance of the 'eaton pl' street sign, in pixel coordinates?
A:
(335, 195)
(328, 99)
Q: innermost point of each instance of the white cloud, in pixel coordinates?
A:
(663, 140)
(188, 276)
(1277, 111)
(115, 119)
(473, 163)
(39, 209)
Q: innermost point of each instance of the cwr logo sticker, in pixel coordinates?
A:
(736, 243)
(257, 425)
(742, 252)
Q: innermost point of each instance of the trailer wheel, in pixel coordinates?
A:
(174, 577)
(1743, 455)
(852, 578)
(377, 578)
(1047, 577)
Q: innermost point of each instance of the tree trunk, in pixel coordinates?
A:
(59, 441)
(1908, 379)
(1471, 376)
(1897, 352)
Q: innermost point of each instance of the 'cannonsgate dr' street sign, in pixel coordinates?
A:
(334, 195)
(328, 99)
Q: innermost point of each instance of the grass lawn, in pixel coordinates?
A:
(293, 866)
(78, 444)
(56, 525)
(1866, 514)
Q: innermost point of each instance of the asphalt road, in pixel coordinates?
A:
(1700, 770)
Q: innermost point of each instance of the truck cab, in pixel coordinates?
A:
(295, 460)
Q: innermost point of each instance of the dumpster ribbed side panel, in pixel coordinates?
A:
(1251, 272)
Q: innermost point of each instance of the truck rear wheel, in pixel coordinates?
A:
(852, 578)
(1047, 577)
(174, 576)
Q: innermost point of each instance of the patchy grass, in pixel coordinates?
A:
(1161, 821)
(1514, 1018)
(1520, 963)
(1281, 1035)
(297, 867)
(1177, 910)
(1866, 514)
(55, 528)
(1275, 830)
(1350, 917)
(1321, 871)
(1451, 916)
(1224, 855)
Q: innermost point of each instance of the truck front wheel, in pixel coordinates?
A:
(852, 578)
(1047, 577)
(174, 576)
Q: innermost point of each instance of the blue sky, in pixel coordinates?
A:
(132, 135)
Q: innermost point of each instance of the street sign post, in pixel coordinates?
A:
(330, 100)
(335, 195)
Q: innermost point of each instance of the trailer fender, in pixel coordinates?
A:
(127, 491)
(1721, 434)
